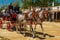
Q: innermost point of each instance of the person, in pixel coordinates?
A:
(50, 16)
(16, 9)
(1, 19)
(10, 8)
(14, 17)
(9, 25)
(3, 12)
(13, 27)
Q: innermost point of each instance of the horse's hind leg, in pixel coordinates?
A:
(31, 29)
(34, 32)
(24, 29)
(18, 28)
(42, 29)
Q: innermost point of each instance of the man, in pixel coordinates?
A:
(14, 16)
(16, 9)
(10, 8)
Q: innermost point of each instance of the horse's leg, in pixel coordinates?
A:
(30, 23)
(42, 29)
(20, 26)
(31, 29)
(34, 31)
(25, 28)
(17, 28)
(17, 25)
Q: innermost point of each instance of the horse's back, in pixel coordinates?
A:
(20, 17)
(40, 14)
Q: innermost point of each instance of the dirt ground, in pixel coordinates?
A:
(51, 30)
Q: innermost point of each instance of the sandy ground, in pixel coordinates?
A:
(51, 30)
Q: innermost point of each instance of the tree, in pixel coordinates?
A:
(34, 3)
(28, 3)
(39, 3)
(56, 3)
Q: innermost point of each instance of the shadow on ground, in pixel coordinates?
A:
(37, 35)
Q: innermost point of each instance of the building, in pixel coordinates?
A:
(55, 12)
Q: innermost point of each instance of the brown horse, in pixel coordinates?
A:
(40, 20)
(37, 19)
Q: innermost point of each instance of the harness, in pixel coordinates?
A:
(45, 14)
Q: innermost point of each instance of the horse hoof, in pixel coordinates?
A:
(24, 35)
(44, 35)
(34, 37)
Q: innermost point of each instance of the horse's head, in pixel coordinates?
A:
(45, 14)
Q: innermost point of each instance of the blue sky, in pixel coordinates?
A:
(58, 0)
(7, 2)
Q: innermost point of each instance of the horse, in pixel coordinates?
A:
(32, 17)
(37, 18)
(21, 21)
(40, 17)
(24, 19)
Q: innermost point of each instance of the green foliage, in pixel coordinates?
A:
(40, 3)
(3, 7)
(29, 3)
